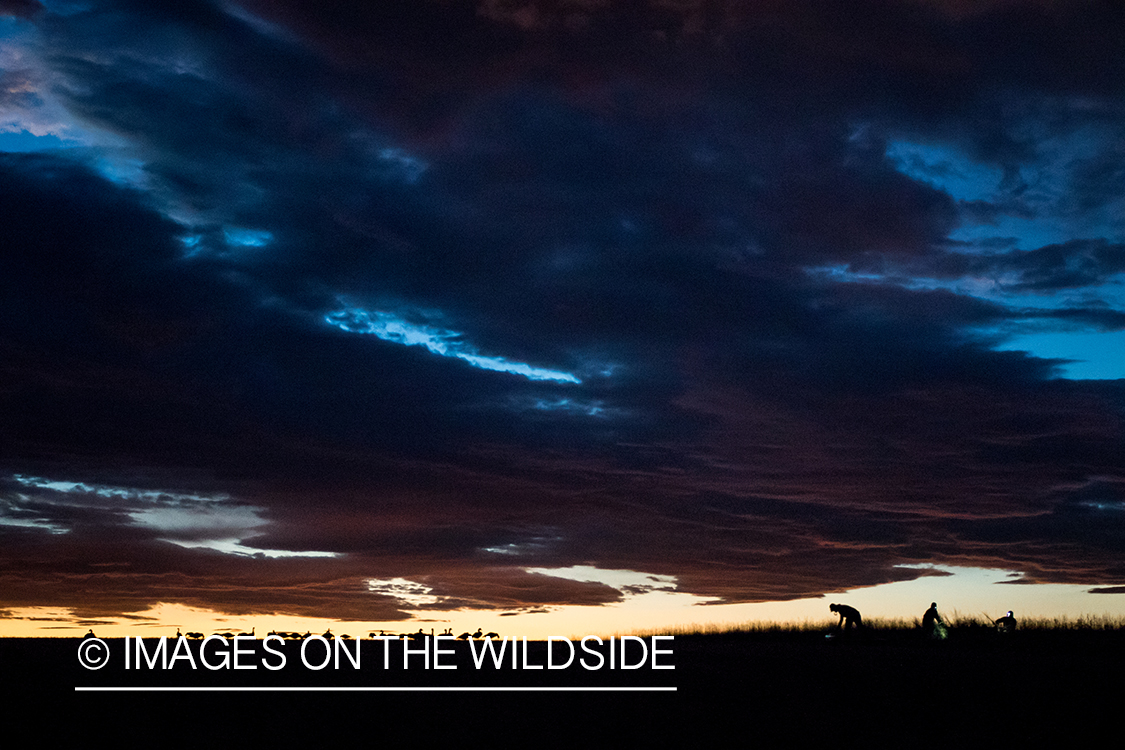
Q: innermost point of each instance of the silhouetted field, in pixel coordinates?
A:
(886, 687)
(964, 625)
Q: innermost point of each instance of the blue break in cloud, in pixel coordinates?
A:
(445, 343)
(1088, 356)
(23, 141)
(946, 169)
(247, 237)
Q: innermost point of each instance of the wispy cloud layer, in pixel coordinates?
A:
(444, 343)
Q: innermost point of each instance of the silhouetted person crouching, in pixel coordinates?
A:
(1006, 624)
(849, 617)
(932, 624)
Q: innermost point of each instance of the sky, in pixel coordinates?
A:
(558, 315)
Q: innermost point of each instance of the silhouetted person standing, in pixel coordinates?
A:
(1006, 624)
(932, 623)
(849, 617)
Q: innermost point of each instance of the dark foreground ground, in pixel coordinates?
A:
(747, 689)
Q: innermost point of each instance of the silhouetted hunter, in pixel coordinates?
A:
(849, 617)
(932, 624)
(1006, 624)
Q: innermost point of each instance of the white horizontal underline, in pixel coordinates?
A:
(237, 689)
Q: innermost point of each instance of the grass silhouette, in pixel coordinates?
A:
(958, 623)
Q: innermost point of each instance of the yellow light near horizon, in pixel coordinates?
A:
(964, 592)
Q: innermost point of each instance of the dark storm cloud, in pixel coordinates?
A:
(1071, 265)
(1074, 265)
(286, 305)
(20, 8)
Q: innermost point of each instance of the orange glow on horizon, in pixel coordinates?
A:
(968, 592)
